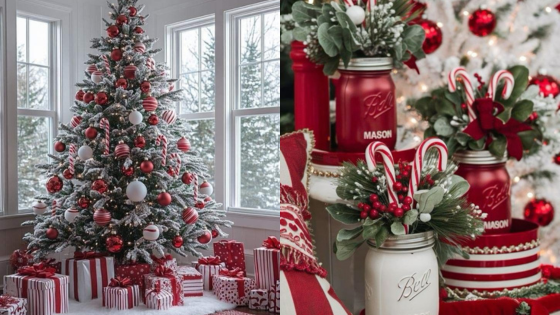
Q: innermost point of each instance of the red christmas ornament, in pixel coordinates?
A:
(548, 85)
(88, 97)
(187, 178)
(101, 98)
(20, 258)
(121, 19)
(199, 204)
(138, 30)
(207, 199)
(132, 11)
(102, 217)
(147, 166)
(114, 243)
(482, 22)
(83, 202)
(121, 83)
(434, 36)
(127, 171)
(116, 54)
(145, 86)
(99, 185)
(140, 142)
(112, 31)
(557, 159)
(215, 233)
(150, 103)
(164, 199)
(153, 119)
(91, 68)
(80, 95)
(184, 144)
(205, 238)
(122, 150)
(54, 184)
(177, 241)
(90, 133)
(130, 71)
(539, 211)
(67, 174)
(51, 233)
(59, 146)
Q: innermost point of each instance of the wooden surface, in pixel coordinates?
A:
(249, 311)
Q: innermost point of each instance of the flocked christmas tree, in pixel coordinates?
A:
(125, 179)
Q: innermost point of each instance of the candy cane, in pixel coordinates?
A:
(163, 140)
(508, 84)
(106, 62)
(349, 3)
(104, 124)
(388, 165)
(195, 192)
(177, 158)
(53, 208)
(469, 90)
(419, 161)
(71, 153)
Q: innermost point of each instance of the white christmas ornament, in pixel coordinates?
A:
(356, 14)
(71, 214)
(205, 188)
(97, 76)
(425, 217)
(135, 117)
(151, 232)
(85, 152)
(136, 191)
(39, 207)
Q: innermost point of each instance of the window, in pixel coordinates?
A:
(36, 111)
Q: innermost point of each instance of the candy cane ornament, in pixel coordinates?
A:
(419, 159)
(161, 139)
(388, 165)
(53, 208)
(71, 153)
(195, 191)
(177, 158)
(508, 84)
(106, 64)
(104, 124)
(469, 90)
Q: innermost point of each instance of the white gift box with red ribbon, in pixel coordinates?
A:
(89, 274)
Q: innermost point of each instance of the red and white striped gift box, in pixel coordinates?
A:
(274, 298)
(192, 280)
(171, 283)
(121, 298)
(88, 276)
(258, 299)
(45, 296)
(13, 305)
(267, 266)
(159, 299)
(497, 262)
(208, 267)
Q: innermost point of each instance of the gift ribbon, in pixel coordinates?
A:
(156, 288)
(122, 282)
(165, 272)
(162, 260)
(41, 271)
(271, 243)
(211, 260)
(239, 276)
(92, 257)
(7, 301)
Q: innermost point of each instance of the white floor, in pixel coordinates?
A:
(206, 304)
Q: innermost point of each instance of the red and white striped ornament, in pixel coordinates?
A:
(150, 232)
(206, 188)
(177, 168)
(97, 76)
(150, 103)
(151, 63)
(161, 139)
(39, 207)
(75, 121)
(184, 144)
(508, 84)
(139, 47)
(122, 150)
(91, 68)
(106, 64)
(71, 214)
(71, 154)
(104, 124)
(102, 217)
(467, 84)
(169, 116)
(190, 215)
(130, 71)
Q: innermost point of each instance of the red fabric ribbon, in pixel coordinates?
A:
(550, 272)
(122, 282)
(210, 260)
(486, 121)
(411, 63)
(162, 271)
(271, 243)
(6, 300)
(87, 255)
(39, 270)
(165, 272)
(162, 260)
(156, 288)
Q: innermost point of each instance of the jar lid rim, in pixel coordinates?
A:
(407, 241)
(368, 64)
(478, 157)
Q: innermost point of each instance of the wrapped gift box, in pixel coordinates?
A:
(158, 299)
(258, 299)
(208, 267)
(233, 287)
(192, 280)
(169, 281)
(232, 253)
(121, 294)
(274, 298)
(10, 305)
(267, 263)
(46, 292)
(135, 272)
(166, 261)
(89, 273)
(51, 262)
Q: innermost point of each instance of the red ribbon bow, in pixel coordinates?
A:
(6, 300)
(156, 288)
(37, 270)
(271, 242)
(122, 282)
(233, 273)
(87, 255)
(162, 271)
(210, 260)
(486, 110)
(162, 260)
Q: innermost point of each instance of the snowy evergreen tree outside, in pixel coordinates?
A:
(125, 178)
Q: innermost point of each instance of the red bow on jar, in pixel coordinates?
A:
(37, 270)
(210, 260)
(122, 282)
(233, 273)
(87, 255)
(271, 242)
(162, 271)
(6, 300)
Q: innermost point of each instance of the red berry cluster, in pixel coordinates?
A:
(427, 181)
(401, 186)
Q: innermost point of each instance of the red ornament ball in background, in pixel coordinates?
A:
(145, 86)
(67, 174)
(121, 83)
(207, 199)
(557, 158)
(122, 150)
(91, 68)
(102, 217)
(199, 204)
(184, 144)
(127, 171)
(130, 71)
(54, 184)
(138, 30)
(190, 215)
(114, 243)
(140, 142)
(187, 178)
(482, 22)
(132, 11)
(116, 54)
(147, 166)
(153, 119)
(75, 121)
(112, 31)
(539, 211)
(121, 19)
(80, 95)
(215, 233)
(101, 98)
(548, 85)
(150, 103)
(177, 241)
(90, 133)
(99, 185)
(88, 97)
(164, 199)
(51, 233)
(20, 258)
(434, 36)
(59, 146)
(205, 238)
(83, 202)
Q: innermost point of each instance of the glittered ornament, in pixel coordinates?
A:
(434, 36)
(116, 54)
(113, 31)
(190, 215)
(67, 174)
(130, 71)
(187, 178)
(90, 133)
(88, 97)
(206, 188)
(59, 146)
(114, 243)
(356, 14)
(54, 184)
(139, 142)
(205, 238)
(80, 95)
(153, 119)
(102, 217)
(101, 98)
(83, 202)
(121, 83)
(71, 214)
(39, 207)
(85, 152)
(146, 166)
(51, 233)
(127, 171)
(138, 30)
(539, 211)
(482, 22)
(121, 19)
(99, 185)
(145, 86)
(136, 191)
(150, 232)
(215, 233)
(164, 199)
(184, 144)
(122, 150)
(548, 85)
(150, 103)
(177, 241)
(132, 11)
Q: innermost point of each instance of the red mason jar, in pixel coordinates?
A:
(366, 104)
(490, 187)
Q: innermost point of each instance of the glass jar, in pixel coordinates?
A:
(401, 276)
(366, 104)
(490, 187)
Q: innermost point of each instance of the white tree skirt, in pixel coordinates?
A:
(202, 305)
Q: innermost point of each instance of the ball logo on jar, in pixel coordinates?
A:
(411, 286)
(495, 195)
(377, 104)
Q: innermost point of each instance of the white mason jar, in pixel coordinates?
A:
(401, 277)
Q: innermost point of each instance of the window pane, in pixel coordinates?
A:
(272, 35)
(250, 39)
(21, 39)
(202, 140)
(208, 47)
(39, 42)
(38, 97)
(250, 85)
(189, 83)
(21, 85)
(271, 88)
(259, 162)
(207, 91)
(189, 51)
(33, 143)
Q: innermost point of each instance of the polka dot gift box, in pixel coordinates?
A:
(135, 272)
(233, 287)
(231, 253)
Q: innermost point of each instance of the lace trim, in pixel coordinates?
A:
(290, 196)
(292, 259)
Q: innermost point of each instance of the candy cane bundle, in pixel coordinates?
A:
(508, 84)
(161, 139)
(104, 124)
(469, 90)
(388, 165)
(419, 159)
(71, 153)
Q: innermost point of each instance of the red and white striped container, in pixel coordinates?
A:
(45, 296)
(121, 298)
(497, 262)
